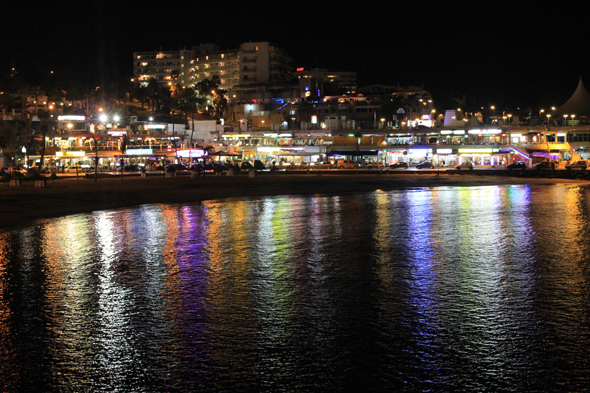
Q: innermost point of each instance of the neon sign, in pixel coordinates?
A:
(71, 118)
(191, 153)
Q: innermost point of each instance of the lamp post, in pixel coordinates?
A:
(509, 119)
(573, 123)
(548, 119)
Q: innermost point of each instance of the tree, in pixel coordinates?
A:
(13, 137)
(212, 96)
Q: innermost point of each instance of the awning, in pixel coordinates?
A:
(354, 153)
(225, 154)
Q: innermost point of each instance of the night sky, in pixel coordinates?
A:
(494, 53)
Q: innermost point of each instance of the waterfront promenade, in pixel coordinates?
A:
(64, 196)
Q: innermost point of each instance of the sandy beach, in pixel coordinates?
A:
(23, 205)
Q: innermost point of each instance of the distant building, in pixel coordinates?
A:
(252, 63)
(159, 65)
(319, 82)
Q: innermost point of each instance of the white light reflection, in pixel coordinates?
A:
(115, 341)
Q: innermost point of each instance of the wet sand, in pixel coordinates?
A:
(23, 205)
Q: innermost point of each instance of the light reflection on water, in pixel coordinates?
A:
(471, 289)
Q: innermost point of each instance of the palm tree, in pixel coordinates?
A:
(209, 91)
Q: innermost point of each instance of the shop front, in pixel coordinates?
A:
(482, 156)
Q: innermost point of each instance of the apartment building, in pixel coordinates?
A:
(252, 63)
(326, 82)
(162, 66)
(209, 60)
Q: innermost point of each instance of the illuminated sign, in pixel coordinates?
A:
(300, 69)
(70, 153)
(237, 136)
(479, 151)
(457, 132)
(117, 133)
(267, 149)
(314, 119)
(485, 131)
(155, 126)
(293, 148)
(71, 118)
(191, 153)
(444, 151)
(138, 152)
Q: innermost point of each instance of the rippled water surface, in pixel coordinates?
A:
(466, 289)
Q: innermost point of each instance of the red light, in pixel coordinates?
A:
(169, 148)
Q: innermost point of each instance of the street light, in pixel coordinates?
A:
(509, 119)
(548, 119)
(565, 120)
(573, 123)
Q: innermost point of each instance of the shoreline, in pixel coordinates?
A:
(22, 206)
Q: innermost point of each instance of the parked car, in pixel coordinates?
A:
(546, 165)
(399, 165)
(516, 165)
(466, 165)
(375, 165)
(425, 165)
(321, 165)
(346, 164)
(582, 165)
(75, 168)
(176, 167)
(259, 165)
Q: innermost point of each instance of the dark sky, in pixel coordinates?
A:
(500, 53)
